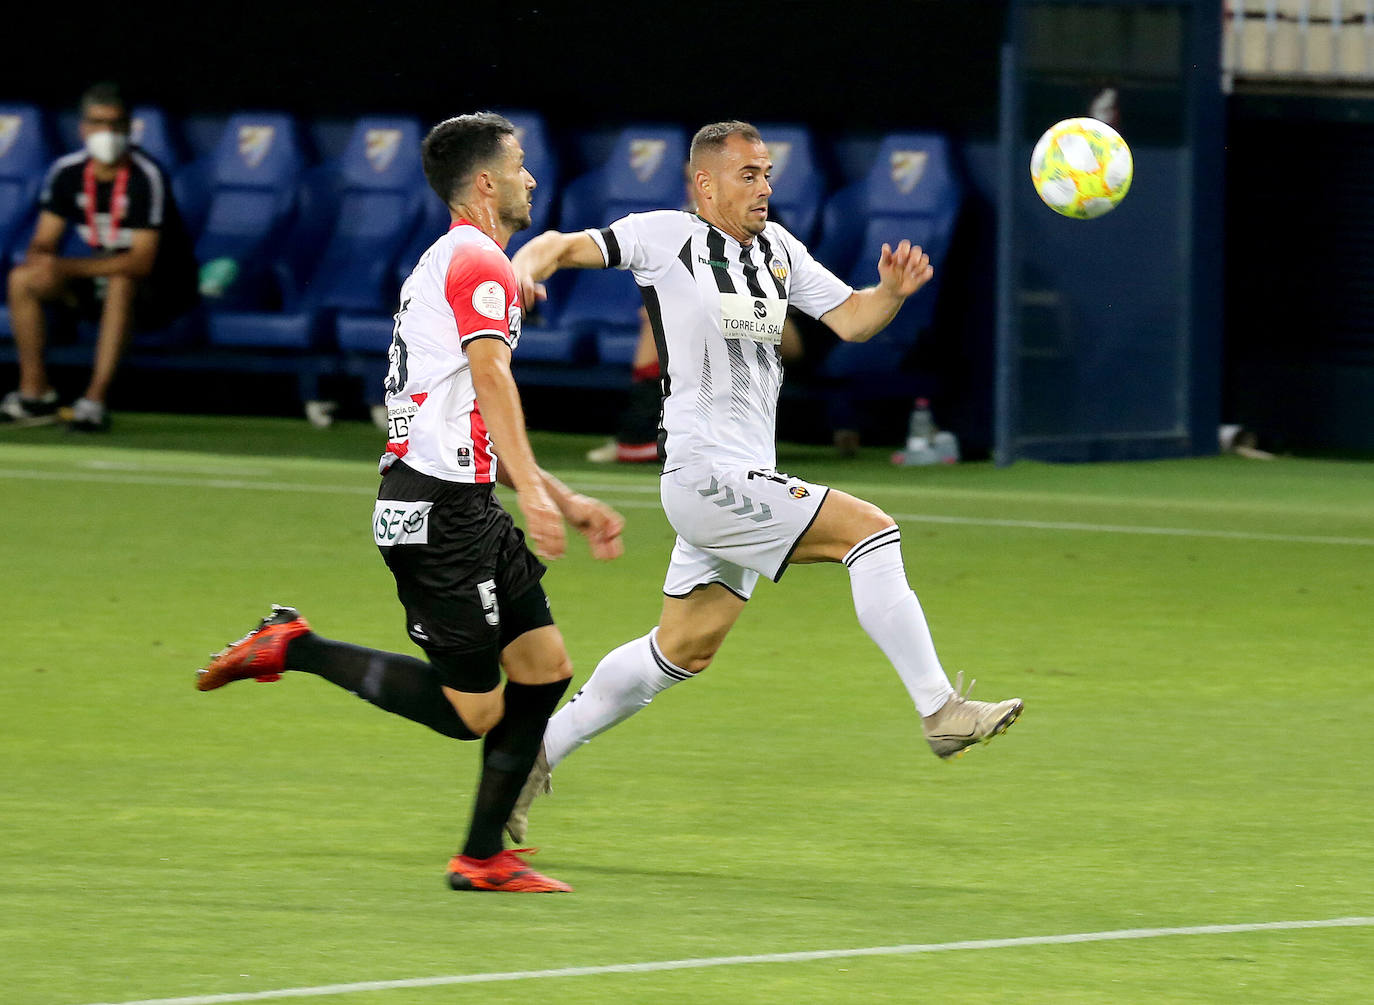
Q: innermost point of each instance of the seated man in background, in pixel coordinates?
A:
(139, 272)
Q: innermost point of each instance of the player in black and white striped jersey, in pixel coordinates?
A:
(716, 285)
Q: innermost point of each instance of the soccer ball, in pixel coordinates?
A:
(1081, 168)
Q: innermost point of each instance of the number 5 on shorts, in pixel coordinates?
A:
(486, 590)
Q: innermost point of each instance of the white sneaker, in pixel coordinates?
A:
(962, 722)
(539, 783)
(16, 408)
(607, 453)
(89, 416)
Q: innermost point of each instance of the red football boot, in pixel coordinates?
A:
(261, 654)
(504, 872)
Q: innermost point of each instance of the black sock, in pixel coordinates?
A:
(395, 683)
(639, 420)
(508, 754)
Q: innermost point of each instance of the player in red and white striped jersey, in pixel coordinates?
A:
(469, 584)
(435, 424)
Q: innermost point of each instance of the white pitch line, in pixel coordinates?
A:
(700, 963)
(1107, 528)
(968, 521)
(208, 483)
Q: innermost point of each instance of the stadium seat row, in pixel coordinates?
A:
(301, 257)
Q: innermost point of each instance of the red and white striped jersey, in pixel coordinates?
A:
(461, 289)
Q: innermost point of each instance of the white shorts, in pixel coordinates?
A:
(733, 525)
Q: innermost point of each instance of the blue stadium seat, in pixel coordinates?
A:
(380, 203)
(151, 129)
(798, 184)
(345, 243)
(253, 178)
(154, 131)
(25, 154)
(912, 191)
(643, 172)
(434, 221)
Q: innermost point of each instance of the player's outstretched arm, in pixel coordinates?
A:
(901, 272)
(546, 254)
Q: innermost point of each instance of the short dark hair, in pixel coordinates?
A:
(457, 147)
(106, 92)
(711, 138)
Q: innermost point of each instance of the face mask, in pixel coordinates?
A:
(106, 146)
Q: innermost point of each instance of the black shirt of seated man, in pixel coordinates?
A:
(146, 203)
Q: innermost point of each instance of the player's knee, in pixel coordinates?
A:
(479, 712)
(692, 655)
(483, 719)
(869, 520)
(23, 283)
(562, 669)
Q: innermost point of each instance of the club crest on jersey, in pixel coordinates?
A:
(779, 270)
(9, 132)
(907, 168)
(781, 153)
(380, 147)
(798, 491)
(255, 142)
(646, 157)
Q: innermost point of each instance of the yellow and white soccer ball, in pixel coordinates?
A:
(1081, 168)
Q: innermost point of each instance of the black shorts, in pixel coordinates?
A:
(154, 308)
(467, 581)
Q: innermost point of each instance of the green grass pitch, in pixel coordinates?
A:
(1193, 641)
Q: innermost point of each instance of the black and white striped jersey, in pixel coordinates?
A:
(717, 310)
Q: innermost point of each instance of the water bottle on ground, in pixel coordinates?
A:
(924, 443)
(920, 431)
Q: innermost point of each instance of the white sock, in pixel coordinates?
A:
(893, 618)
(625, 681)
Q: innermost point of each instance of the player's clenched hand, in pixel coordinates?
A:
(543, 522)
(905, 270)
(599, 524)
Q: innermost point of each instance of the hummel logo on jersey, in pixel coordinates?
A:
(713, 263)
(745, 507)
